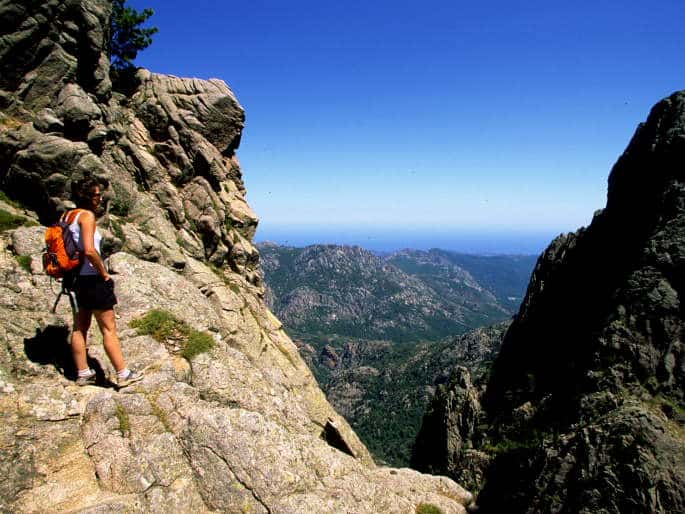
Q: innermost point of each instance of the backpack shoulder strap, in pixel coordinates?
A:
(72, 216)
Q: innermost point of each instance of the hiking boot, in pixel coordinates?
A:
(133, 376)
(89, 380)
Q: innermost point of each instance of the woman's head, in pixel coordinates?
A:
(86, 193)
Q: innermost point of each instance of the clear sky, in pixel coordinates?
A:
(435, 115)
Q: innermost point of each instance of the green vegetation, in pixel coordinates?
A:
(388, 416)
(506, 276)
(165, 327)
(127, 36)
(25, 262)
(197, 343)
(9, 221)
(428, 508)
(672, 410)
(160, 415)
(527, 441)
(161, 325)
(124, 421)
(388, 335)
(389, 413)
(9, 201)
(440, 298)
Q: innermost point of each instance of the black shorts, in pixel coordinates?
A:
(94, 294)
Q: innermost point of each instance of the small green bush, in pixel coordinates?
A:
(161, 325)
(164, 326)
(25, 262)
(9, 221)
(160, 415)
(529, 442)
(197, 343)
(124, 421)
(9, 201)
(428, 508)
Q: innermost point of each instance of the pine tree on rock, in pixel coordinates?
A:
(127, 36)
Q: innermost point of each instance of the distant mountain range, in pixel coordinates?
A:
(409, 295)
(381, 331)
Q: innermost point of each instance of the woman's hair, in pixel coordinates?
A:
(82, 191)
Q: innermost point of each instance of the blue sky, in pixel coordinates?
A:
(497, 116)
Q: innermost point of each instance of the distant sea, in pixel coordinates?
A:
(381, 240)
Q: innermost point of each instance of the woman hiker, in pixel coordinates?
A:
(94, 288)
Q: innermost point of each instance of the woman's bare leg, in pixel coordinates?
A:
(108, 327)
(78, 338)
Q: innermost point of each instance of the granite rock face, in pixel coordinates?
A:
(47, 44)
(167, 152)
(585, 407)
(445, 445)
(241, 428)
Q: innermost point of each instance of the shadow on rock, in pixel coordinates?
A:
(51, 346)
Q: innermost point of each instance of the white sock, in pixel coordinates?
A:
(124, 373)
(85, 372)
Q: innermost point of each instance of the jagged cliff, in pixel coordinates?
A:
(585, 407)
(241, 428)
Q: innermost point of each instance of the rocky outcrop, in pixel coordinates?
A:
(45, 45)
(450, 439)
(171, 194)
(585, 406)
(243, 427)
(444, 445)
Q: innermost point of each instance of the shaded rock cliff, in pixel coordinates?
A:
(241, 428)
(585, 406)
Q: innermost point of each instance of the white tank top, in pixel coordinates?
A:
(87, 267)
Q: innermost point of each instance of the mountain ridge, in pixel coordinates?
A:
(351, 291)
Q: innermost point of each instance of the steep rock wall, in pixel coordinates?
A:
(585, 407)
(242, 428)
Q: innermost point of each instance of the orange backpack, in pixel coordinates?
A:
(61, 255)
